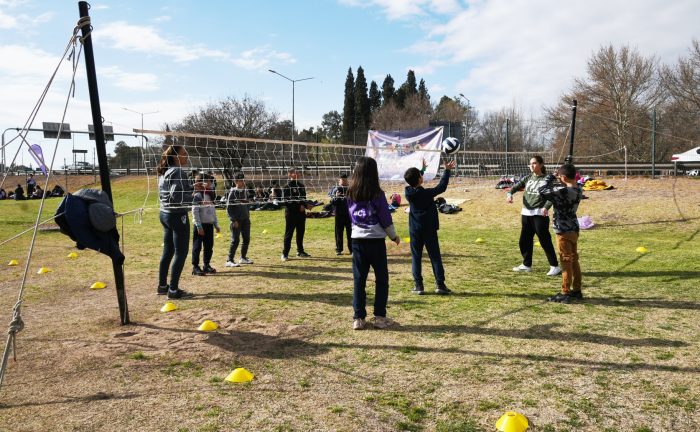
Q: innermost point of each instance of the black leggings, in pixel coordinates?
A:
(176, 241)
(539, 225)
(207, 240)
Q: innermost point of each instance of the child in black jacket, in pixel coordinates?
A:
(423, 225)
(339, 202)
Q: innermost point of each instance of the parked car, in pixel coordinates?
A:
(692, 155)
(79, 166)
(695, 172)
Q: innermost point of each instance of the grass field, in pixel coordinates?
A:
(625, 359)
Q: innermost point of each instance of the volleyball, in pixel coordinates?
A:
(450, 145)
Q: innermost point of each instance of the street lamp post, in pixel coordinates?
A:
(465, 137)
(293, 81)
(138, 168)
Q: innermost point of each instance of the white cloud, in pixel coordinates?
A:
(7, 21)
(162, 18)
(404, 9)
(146, 39)
(130, 80)
(530, 50)
(261, 57)
(435, 89)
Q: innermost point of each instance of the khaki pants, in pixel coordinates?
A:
(568, 259)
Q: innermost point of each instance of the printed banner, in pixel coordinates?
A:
(396, 151)
(38, 155)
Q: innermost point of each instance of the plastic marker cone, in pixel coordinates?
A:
(98, 285)
(642, 249)
(407, 239)
(208, 326)
(512, 422)
(168, 307)
(72, 255)
(218, 235)
(538, 244)
(240, 375)
(43, 270)
(479, 240)
(264, 231)
(13, 263)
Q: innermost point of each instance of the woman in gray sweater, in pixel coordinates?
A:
(175, 193)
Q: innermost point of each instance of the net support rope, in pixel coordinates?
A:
(17, 324)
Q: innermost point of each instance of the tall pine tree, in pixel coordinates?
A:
(423, 91)
(375, 97)
(388, 90)
(411, 85)
(349, 108)
(362, 109)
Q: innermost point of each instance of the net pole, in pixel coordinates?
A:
(86, 29)
(570, 156)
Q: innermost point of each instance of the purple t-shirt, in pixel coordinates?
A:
(371, 219)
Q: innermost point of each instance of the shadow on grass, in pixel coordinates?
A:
(611, 225)
(555, 361)
(669, 275)
(599, 301)
(543, 332)
(99, 396)
(334, 299)
(305, 275)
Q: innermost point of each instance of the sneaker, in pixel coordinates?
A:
(442, 289)
(522, 268)
(245, 261)
(230, 263)
(358, 324)
(418, 289)
(553, 270)
(560, 298)
(163, 289)
(576, 295)
(209, 269)
(381, 322)
(196, 271)
(284, 257)
(303, 254)
(338, 252)
(179, 294)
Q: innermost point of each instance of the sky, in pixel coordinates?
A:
(168, 58)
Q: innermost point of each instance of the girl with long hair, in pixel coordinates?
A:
(371, 223)
(175, 193)
(534, 217)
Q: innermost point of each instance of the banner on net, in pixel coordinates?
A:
(396, 151)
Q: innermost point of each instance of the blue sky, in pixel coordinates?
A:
(174, 56)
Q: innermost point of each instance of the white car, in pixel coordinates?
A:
(692, 155)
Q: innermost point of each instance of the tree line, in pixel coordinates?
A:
(617, 98)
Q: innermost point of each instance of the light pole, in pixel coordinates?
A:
(466, 119)
(138, 168)
(293, 81)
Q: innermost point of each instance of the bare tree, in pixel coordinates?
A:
(615, 100)
(683, 80)
(415, 114)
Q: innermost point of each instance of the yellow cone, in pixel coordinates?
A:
(264, 231)
(538, 244)
(642, 249)
(72, 255)
(218, 235)
(98, 285)
(512, 422)
(208, 326)
(13, 263)
(407, 239)
(168, 307)
(479, 240)
(240, 375)
(43, 270)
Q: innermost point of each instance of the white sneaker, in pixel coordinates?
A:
(522, 268)
(232, 264)
(382, 322)
(554, 270)
(358, 324)
(245, 261)
(284, 257)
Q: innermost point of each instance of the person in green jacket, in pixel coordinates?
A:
(534, 217)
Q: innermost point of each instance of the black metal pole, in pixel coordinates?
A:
(507, 138)
(86, 28)
(570, 156)
(653, 144)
